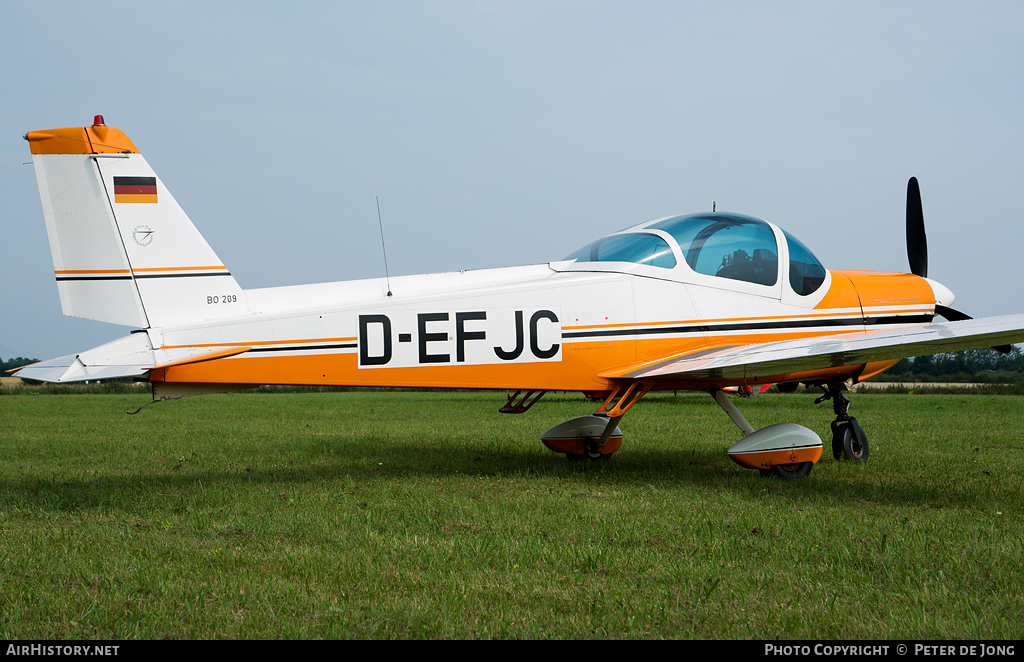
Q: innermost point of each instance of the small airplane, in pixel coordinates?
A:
(717, 302)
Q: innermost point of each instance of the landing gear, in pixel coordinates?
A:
(797, 470)
(849, 442)
(590, 452)
(584, 438)
(597, 436)
(784, 449)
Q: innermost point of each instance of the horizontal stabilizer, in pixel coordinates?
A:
(70, 368)
(132, 356)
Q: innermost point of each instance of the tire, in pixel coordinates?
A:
(593, 457)
(849, 442)
(798, 470)
(839, 430)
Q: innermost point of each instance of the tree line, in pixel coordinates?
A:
(14, 363)
(969, 365)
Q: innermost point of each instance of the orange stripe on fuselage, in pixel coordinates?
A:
(213, 268)
(629, 325)
(128, 271)
(253, 343)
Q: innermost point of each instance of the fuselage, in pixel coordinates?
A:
(558, 326)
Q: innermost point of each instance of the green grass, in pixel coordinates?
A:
(407, 514)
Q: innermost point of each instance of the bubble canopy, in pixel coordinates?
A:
(724, 245)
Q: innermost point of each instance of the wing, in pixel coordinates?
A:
(751, 362)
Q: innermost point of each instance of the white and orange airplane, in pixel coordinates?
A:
(718, 302)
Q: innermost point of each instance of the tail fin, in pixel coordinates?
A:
(123, 250)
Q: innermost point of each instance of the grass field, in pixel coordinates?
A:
(408, 514)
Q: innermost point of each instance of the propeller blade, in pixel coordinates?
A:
(951, 314)
(917, 241)
(956, 316)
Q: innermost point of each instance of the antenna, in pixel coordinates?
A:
(386, 274)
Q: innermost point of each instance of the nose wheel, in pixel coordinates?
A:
(849, 442)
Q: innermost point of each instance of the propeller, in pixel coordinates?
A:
(917, 240)
(917, 252)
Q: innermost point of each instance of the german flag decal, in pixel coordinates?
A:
(134, 189)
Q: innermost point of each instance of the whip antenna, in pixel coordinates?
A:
(383, 247)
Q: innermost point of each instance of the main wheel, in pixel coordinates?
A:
(796, 470)
(573, 457)
(849, 442)
(590, 452)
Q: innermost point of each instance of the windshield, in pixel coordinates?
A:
(638, 248)
(727, 246)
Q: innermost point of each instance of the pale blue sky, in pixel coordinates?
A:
(500, 133)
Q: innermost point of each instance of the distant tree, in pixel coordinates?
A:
(14, 363)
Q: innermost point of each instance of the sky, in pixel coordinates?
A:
(505, 133)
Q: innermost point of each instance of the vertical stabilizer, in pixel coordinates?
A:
(123, 250)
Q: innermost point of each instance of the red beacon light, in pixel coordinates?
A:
(98, 121)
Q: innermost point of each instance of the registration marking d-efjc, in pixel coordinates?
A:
(407, 339)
